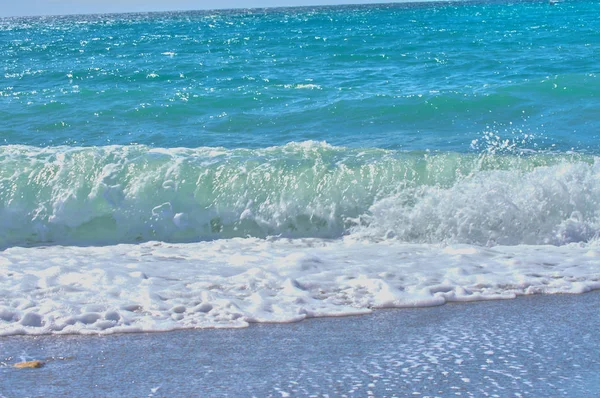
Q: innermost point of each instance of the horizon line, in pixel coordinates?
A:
(349, 4)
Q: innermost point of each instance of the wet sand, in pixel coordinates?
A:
(531, 346)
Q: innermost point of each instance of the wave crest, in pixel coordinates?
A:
(125, 194)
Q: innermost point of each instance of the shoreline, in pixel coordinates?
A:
(537, 345)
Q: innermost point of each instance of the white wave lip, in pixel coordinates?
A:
(555, 205)
(231, 283)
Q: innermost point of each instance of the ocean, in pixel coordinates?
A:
(214, 169)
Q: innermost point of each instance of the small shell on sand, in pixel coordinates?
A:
(29, 365)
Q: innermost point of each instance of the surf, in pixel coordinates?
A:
(129, 194)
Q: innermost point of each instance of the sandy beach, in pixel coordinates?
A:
(530, 346)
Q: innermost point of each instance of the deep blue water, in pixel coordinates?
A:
(404, 76)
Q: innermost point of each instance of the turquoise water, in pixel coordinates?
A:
(445, 122)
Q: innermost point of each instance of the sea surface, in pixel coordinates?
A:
(213, 169)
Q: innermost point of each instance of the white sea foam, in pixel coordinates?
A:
(231, 283)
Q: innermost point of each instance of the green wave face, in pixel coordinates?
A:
(120, 194)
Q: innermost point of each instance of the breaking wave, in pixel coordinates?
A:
(127, 194)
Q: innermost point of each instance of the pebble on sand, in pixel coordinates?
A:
(29, 364)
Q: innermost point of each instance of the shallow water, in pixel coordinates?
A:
(533, 346)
